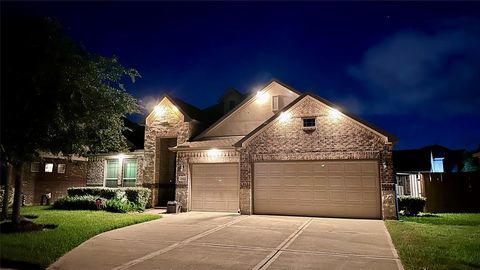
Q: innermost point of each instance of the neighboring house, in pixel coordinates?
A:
(414, 167)
(276, 151)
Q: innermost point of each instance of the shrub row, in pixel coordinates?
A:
(119, 200)
(411, 206)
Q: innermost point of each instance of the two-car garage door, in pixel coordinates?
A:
(317, 188)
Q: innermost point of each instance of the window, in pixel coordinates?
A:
(61, 168)
(309, 123)
(275, 103)
(129, 172)
(111, 175)
(35, 167)
(48, 167)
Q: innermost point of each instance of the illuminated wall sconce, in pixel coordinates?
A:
(334, 114)
(284, 117)
(262, 97)
(120, 157)
(214, 153)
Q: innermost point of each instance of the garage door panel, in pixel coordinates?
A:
(215, 187)
(317, 188)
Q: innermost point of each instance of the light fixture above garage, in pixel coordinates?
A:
(284, 117)
(214, 153)
(334, 114)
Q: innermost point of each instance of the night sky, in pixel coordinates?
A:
(412, 69)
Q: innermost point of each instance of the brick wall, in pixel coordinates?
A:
(36, 184)
(96, 169)
(333, 139)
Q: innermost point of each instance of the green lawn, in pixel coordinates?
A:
(42, 248)
(440, 241)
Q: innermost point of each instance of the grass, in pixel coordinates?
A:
(439, 241)
(40, 249)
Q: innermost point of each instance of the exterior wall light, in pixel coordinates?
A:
(213, 153)
(120, 157)
(159, 111)
(262, 97)
(284, 117)
(334, 114)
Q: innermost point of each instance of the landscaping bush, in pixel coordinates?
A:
(102, 192)
(411, 206)
(118, 206)
(120, 200)
(138, 196)
(85, 202)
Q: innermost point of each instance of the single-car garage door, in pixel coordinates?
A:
(215, 187)
(317, 188)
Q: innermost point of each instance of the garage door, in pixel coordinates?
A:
(320, 188)
(215, 187)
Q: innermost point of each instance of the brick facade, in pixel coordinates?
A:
(36, 184)
(96, 168)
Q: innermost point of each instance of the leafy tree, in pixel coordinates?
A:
(56, 97)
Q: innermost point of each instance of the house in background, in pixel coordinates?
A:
(413, 167)
(276, 151)
(440, 175)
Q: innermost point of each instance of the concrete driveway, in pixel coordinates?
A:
(197, 240)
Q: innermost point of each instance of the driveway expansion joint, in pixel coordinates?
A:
(275, 253)
(178, 244)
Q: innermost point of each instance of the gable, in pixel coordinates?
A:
(334, 130)
(251, 113)
(166, 111)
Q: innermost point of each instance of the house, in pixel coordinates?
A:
(413, 167)
(276, 151)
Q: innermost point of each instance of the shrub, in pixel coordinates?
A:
(411, 206)
(85, 202)
(138, 196)
(102, 192)
(118, 206)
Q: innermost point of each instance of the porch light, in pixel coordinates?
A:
(262, 97)
(213, 153)
(334, 114)
(159, 111)
(285, 116)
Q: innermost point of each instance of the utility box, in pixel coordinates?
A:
(173, 207)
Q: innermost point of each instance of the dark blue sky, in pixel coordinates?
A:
(412, 69)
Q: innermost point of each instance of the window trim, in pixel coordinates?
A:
(105, 178)
(124, 167)
(308, 127)
(45, 167)
(64, 168)
(37, 167)
(275, 99)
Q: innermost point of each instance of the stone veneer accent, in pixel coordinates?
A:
(170, 125)
(343, 138)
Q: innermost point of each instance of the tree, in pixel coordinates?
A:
(57, 97)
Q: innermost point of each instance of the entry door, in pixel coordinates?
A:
(318, 188)
(215, 187)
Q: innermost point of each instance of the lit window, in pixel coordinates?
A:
(35, 167)
(309, 123)
(275, 103)
(48, 167)
(61, 168)
(129, 172)
(111, 175)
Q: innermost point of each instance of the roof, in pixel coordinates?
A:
(390, 137)
(247, 99)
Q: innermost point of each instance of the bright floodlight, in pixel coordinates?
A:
(334, 114)
(214, 152)
(262, 97)
(284, 117)
(159, 111)
(120, 157)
